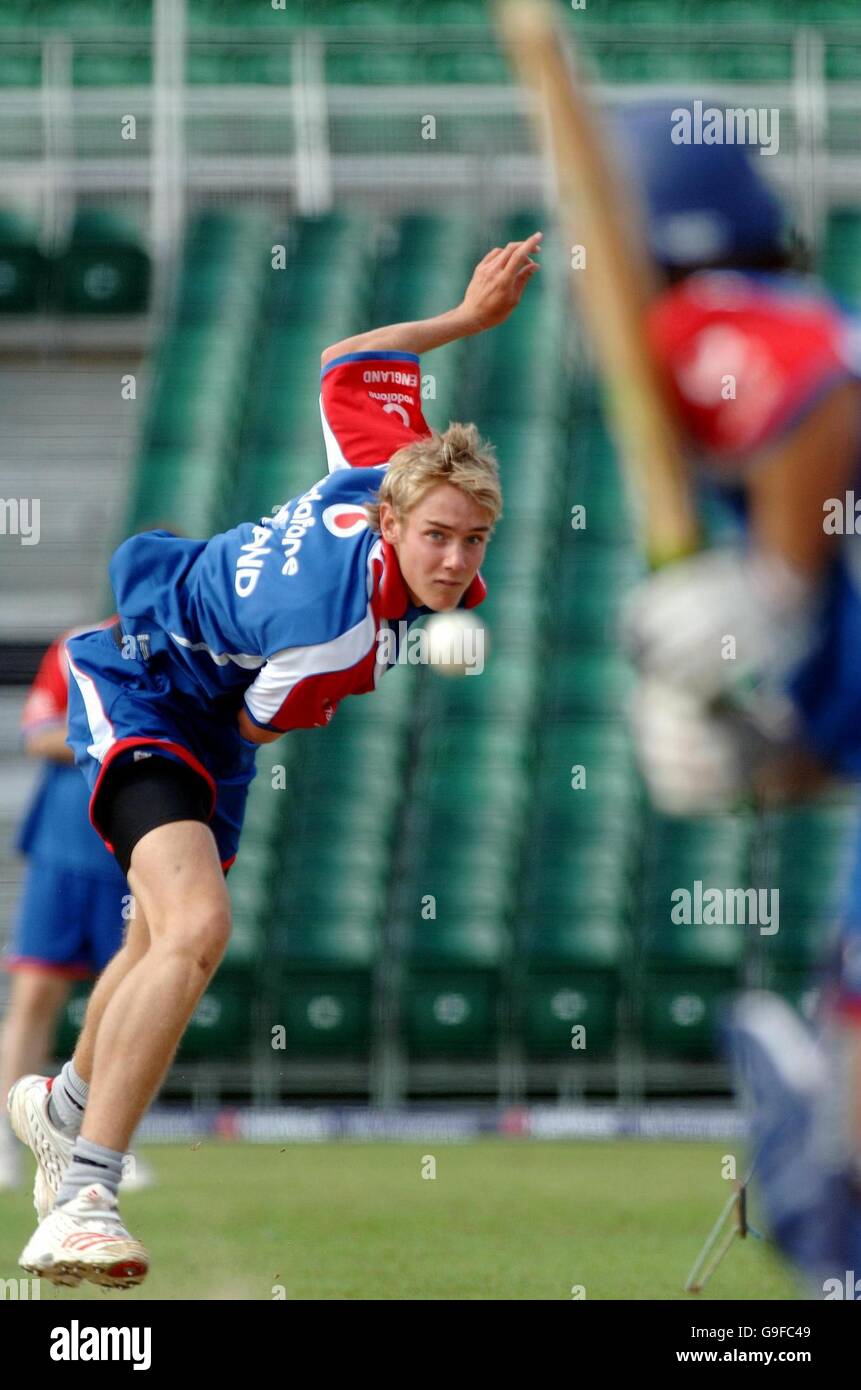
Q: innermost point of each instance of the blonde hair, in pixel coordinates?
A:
(457, 455)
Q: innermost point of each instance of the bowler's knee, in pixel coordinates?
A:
(200, 936)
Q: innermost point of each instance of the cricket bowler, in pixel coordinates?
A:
(223, 645)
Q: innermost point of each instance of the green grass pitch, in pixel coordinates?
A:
(502, 1219)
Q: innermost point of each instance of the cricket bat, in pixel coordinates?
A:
(616, 283)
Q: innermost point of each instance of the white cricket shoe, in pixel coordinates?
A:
(85, 1239)
(52, 1149)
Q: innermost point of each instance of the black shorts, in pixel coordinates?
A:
(137, 797)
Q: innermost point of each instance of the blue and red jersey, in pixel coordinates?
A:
(748, 355)
(283, 615)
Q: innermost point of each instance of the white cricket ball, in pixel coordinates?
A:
(457, 643)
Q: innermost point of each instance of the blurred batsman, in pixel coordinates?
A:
(748, 652)
(221, 646)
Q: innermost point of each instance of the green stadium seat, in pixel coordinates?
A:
(221, 1025)
(19, 14)
(641, 63)
(681, 1012)
(808, 892)
(478, 943)
(517, 555)
(589, 938)
(736, 14)
(680, 850)
(460, 890)
(581, 792)
(110, 65)
(325, 1015)
(699, 946)
(602, 748)
(325, 987)
(805, 855)
(469, 779)
(438, 13)
(505, 691)
(840, 12)
(752, 62)
(372, 67)
(605, 519)
(315, 897)
(467, 64)
(207, 295)
(592, 619)
(203, 66)
(798, 943)
(448, 840)
(551, 1005)
(588, 684)
(20, 65)
(842, 62)
(514, 616)
(210, 14)
(174, 488)
(103, 269)
(422, 236)
(337, 944)
(189, 418)
(450, 1015)
(579, 879)
(450, 745)
(22, 266)
(208, 65)
(354, 14)
(83, 15)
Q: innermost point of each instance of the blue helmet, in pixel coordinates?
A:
(705, 203)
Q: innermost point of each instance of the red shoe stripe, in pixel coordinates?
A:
(80, 1240)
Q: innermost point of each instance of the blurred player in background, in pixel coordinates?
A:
(72, 911)
(763, 368)
(223, 645)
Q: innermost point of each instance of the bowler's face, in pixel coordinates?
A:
(440, 545)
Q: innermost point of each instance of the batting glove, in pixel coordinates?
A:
(694, 761)
(708, 624)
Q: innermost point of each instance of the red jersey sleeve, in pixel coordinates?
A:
(48, 696)
(370, 404)
(745, 360)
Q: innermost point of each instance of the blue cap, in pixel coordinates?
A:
(705, 203)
